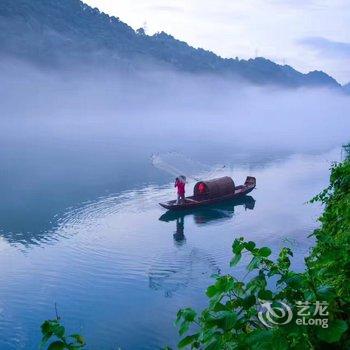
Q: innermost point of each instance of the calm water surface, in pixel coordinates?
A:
(94, 240)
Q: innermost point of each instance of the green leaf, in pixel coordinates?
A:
(237, 245)
(334, 331)
(250, 246)
(249, 301)
(264, 251)
(222, 319)
(309, 295)
(189, 314)
(287, 251)
(187, 341)
(58, 330)
(225, 284)
(184, 327)
(254, 263)
(259, 337)
(206, 334)
(257, 283)
(46, 327)
(214, 343)
(294, 280)
(223, 314)
(265, 295)
(229, 320)
(325, 292)
(211, 291)
(235, 260)
(219, 307)
(239, 288)
(178, 316)
(57, 345)
(186, 314)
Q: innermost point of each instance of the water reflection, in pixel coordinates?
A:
(175, 270)
(179, 236)
(205, 215)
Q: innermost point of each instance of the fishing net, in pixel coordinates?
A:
(177, 164)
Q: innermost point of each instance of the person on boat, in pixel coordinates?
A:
(180, 183)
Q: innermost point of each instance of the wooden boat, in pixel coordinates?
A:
(212, 192)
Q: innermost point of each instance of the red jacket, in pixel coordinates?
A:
(180, 187)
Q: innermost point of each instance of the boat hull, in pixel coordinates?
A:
(209, 212)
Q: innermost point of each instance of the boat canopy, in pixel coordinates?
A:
(214, 188)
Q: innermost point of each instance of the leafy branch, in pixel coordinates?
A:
(53, 330)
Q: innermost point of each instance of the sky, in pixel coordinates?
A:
(306, 34)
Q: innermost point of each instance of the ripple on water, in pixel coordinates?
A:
(117, 268)
(175, 270)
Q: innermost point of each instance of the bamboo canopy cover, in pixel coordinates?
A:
(214, 188)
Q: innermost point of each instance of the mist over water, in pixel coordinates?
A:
(80, 223)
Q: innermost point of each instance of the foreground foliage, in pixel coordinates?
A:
(54, 331)
(231, 320)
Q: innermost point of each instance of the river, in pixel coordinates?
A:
(81, 227)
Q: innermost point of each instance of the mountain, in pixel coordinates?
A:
(63, 31)
(346, 88)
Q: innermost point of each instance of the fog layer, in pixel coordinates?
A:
(71, 136)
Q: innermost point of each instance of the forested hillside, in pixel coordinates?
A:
(59, 32)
